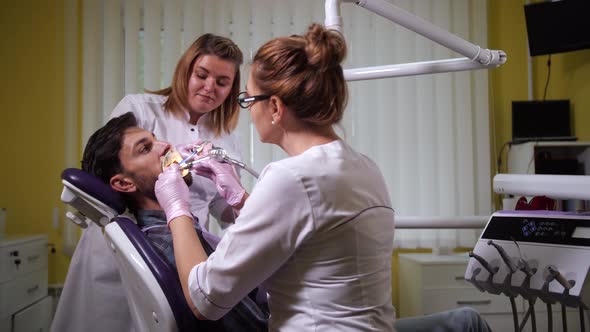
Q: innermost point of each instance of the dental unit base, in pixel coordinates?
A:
(539, 255)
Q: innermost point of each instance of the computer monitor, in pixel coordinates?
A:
(537, 120)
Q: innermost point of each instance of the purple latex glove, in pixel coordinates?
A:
(226, 179)
(186, 150)
(172, 193)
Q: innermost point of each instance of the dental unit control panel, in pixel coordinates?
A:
(542, 255)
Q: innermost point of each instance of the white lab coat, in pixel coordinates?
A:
(318, 230)
(93, 298)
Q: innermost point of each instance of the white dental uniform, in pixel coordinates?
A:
(93, 298)
(318, 231)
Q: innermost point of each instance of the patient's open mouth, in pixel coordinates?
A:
(172, 156)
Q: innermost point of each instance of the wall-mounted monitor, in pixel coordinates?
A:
(558, 26)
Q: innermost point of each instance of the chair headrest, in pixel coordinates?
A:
(94, 200)
(94, 187)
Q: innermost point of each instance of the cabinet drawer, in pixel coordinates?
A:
(444, 275)
(36, 317)
(22, 291)
(435, 300)
(20, 259)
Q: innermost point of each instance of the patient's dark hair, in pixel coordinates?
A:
(101, 155)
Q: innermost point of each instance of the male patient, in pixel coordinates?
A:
(129, 159)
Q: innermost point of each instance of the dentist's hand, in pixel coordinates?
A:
(225, 178)
(172, 193)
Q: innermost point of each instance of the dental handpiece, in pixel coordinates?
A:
(504, 256)
(220, 155)
(189, 164)
(554, 274)
(483, 263)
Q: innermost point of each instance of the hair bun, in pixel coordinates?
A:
(325, 48)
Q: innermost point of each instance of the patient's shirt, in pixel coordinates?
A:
(247, 315)
(153, 224)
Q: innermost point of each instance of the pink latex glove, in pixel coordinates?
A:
(186, 150)
(172, 193)
(225, 178)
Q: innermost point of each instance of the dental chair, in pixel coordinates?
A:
(154, 293)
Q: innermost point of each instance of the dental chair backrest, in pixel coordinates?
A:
(154, 292)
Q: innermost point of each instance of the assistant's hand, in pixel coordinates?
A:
(186, 150)
(172, 193)
(225, 178)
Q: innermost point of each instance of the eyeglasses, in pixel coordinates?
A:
(246, 101)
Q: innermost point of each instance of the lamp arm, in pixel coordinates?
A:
(476, 56)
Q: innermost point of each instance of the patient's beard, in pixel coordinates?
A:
(146, 186)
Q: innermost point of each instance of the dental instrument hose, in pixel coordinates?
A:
(514, 315)
(533, 319)
(549, 318)
(531, 313)
(220, 155)
(513, 268)
(563, 318)
(582, 323)
(242, 165)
